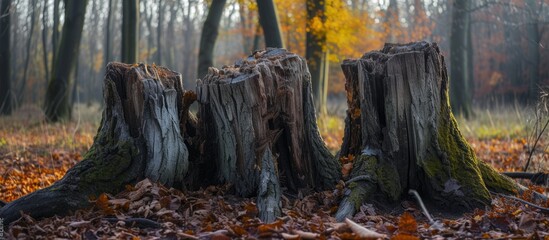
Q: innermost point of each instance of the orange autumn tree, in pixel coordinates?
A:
(348, 32)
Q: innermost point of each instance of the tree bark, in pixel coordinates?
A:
(5, 52)
(140, 137)
(130, 27)
(57, 105)
(317, 54)
(268, 18)
(460, 97)
(209, 36)
(256, 114)
(403, 135)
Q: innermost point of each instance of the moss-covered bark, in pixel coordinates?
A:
(399, 112)
(139, 130)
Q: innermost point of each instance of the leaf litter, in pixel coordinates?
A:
(33, 160)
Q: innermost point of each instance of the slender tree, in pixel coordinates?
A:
(45, 38)
(268, 18)
(23, 85)
(209, 36)
(148, 21)
(55, 28)
(170, 60)
(5, 77)
(108, 38)
(533, 57)
(317, 53)
(189, 42)
(57, 103)
(460, 97)
(130, 26)
(161, 8)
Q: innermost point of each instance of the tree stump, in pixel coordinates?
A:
(258, 129)
(401, 130)
(141, 136)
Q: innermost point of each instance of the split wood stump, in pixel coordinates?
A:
(258, 126)
(141, 136)
(400, 127)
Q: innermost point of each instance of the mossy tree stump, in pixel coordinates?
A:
(400, 127)
(140, 137)
(258, 126)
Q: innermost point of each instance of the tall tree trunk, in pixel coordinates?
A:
(256, 115)
(533, 38)
(55, 30)
(139, 138)
(5, 52)
(108, 38)
(148, 21)
(209, 36)
(45, 38)
(317, 54)
(161, 8)
(130, 27)
(57, 105)
(402, 134)
(470, 63)
(268, 18)
(21, 92)
(189, 46)
(74, 92)
(171, 38)
(460, 97)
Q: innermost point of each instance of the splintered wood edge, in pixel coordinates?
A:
(118, 70)
(245, 68)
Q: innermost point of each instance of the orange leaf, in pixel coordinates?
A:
(407, 224)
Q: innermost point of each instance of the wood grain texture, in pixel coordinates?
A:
(399, 115)
(263, 102)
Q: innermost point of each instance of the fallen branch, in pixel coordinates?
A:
(542, 209)
(136, 222)
(539, 178)
(363, 232)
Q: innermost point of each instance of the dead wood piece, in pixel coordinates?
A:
(139, 137)
(262, 103)
(400, 127)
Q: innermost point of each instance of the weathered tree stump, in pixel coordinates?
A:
(401, 129)
(258, 129)
(140, 137)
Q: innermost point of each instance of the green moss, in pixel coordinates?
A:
(432, 166)
(495, 181)
(388, 180)
(463, 164)
(385, 175)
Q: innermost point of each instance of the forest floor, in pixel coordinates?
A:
(35, 154)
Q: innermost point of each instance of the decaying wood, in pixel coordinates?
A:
(263, 106)
(139, 137)
(400, 127)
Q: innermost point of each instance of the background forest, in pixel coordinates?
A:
(504, 41)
